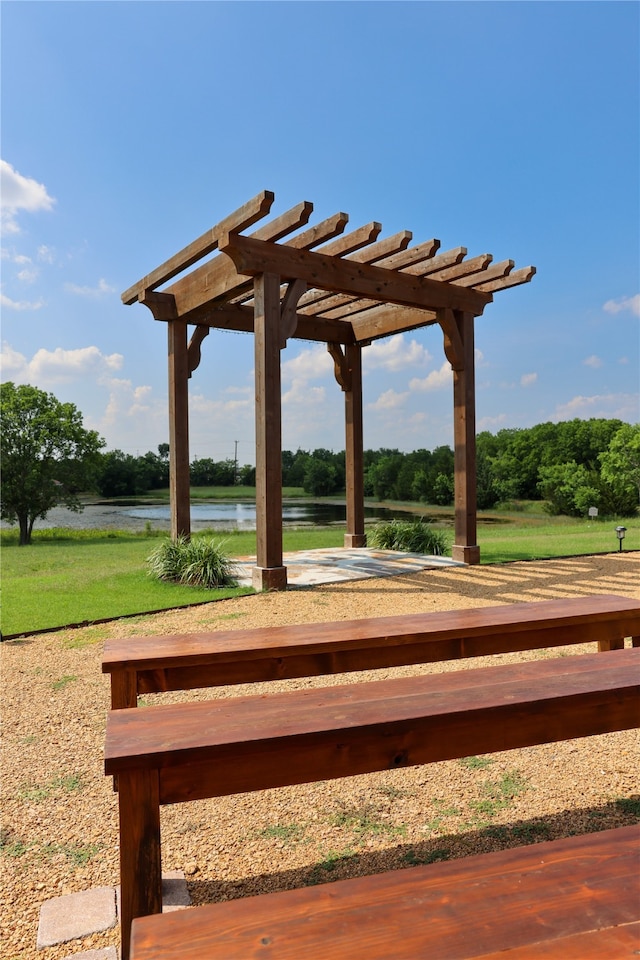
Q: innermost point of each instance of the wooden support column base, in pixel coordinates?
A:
(269, 578)
(355, 540)
(465, 554)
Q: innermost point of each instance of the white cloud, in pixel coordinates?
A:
(491, 423)
(301, 394)
(127, 414)
(479, 358)
(27, 275)
(130, 412)
(140, 400)
(202, 405)
(245, 391)
(20, 193)
(389, 400)
(19, 258)
(436, 380)
(13, 363)
(394, 354)
(632, 304)
(528, 379)
(312, 363)
(621, 406)
(20, 304)
(593, 361)
(98, 291)
(46, 254)
(48, 367)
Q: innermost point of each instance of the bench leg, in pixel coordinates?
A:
(124, 689)
(140, 866)
(604, 645)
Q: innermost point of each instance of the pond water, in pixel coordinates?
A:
(242, 515)
(221, 515)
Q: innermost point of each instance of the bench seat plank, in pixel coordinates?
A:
(538, 901)
(187, 661)
(612, 943)
(258, 742)
(181, 752)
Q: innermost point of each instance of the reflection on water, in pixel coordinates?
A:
(242, 516)
(223, 515)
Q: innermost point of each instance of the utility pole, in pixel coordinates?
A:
(235, 465)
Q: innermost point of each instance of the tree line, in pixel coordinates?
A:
(48, 458)
(572, 465)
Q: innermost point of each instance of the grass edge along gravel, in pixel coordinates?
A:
(69, 578)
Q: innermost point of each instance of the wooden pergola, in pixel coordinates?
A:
(283, 282)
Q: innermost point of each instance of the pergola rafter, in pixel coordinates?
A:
(281, 279)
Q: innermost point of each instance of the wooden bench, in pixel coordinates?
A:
(189, 751)
(572, 898)
(141, 665)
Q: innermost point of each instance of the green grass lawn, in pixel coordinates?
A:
(54, 583)
(560, 537)
(66, 577)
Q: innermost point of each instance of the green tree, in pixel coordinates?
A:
(247, 475)
(442, 490)
(123, 475)
(47, 455)
(570, 488)
(620, 463)
(381, 476)
(319, 478)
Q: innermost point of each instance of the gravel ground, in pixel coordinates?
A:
(60, 814)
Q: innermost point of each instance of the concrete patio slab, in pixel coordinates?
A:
(335, 565)
(76, 915)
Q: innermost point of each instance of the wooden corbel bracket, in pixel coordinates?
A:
(194, 350)
(341, 367)
(288, 310)
(162, 305)
(453, 346)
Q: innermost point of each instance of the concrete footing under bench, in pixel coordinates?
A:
(79, 915)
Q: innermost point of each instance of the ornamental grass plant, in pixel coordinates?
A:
(412, 536)
(197, 562)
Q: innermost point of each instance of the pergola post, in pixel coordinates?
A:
(179, 429)
(269, 572)
(465, 547)
(354, 454)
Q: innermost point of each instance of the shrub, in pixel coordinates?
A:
(197, 563)
(412, 536)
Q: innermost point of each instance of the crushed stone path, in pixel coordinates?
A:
(59, 811)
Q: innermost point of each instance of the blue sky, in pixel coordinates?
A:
(512, 128)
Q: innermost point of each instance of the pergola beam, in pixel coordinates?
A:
(395, 261)
(218, 278)
(457, 271)
(386, 320)
(286, 223)
(371, 254)
(353, 240)
(320, 233)
(441, 260)
(242, 218)
(252, 257)
(240, 318)
(497, 270)
(514, 279)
